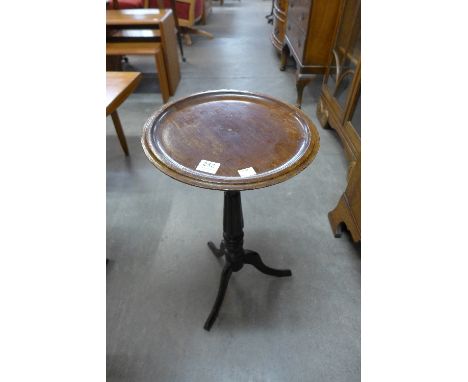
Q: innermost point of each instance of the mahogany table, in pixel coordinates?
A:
(232, 141)
(119, 85)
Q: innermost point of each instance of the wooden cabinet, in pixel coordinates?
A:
(348, 210)
(280, 11)
(340, 95)
(339, 108)
(310, 30)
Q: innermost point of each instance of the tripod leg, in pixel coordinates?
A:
(225, 276)
(217, 252)
(253, 258)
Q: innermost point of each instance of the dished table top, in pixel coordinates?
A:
(268, 140)
(119, 85)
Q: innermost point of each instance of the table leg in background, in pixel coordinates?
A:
(119, 131)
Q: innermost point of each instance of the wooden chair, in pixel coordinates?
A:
(188, 12)
(126, 4)
(146, 49)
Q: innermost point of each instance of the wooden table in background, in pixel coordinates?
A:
(159, 20)
(119, 85)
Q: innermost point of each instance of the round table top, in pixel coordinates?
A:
(230, 140)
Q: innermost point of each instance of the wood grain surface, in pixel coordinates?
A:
(236, 129)
(140, 16)
(119, 85)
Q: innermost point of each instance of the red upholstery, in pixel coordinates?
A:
(127, 4)
(182, 9)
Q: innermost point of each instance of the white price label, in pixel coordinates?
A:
(246, 172)
(207, 166)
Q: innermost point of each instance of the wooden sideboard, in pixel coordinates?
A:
(280, 12)
(310, 29)
(339, 108)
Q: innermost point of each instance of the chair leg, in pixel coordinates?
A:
(119, 131)
(162, 74)
(201, 32)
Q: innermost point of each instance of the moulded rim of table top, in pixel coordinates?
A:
(227, 184)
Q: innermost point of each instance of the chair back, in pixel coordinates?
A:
(187, 10)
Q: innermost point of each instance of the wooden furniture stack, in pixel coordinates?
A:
(154, 27)
(280, 14)
(310, 29)
(143, 49)
(339, 108)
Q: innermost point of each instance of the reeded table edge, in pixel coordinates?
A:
(243, 184)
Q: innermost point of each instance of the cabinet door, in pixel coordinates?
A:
(346, 54)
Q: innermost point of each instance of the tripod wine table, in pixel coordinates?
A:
(231, 141)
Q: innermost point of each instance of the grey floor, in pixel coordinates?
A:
(161, 278)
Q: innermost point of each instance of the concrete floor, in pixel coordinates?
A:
(162, 280)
